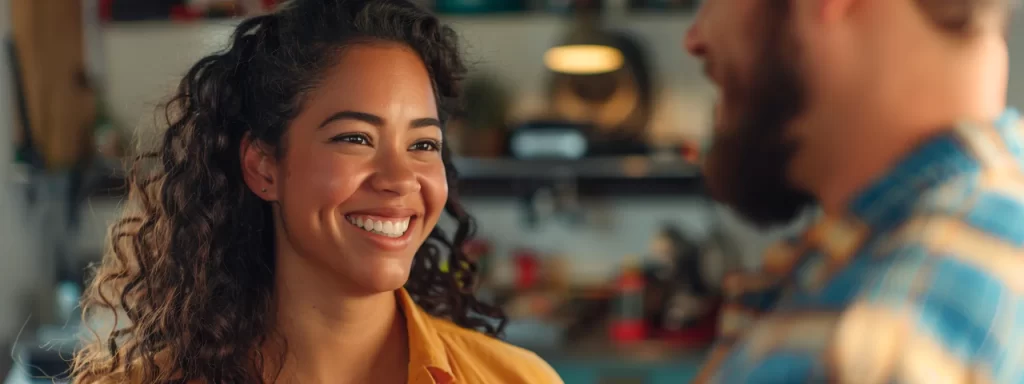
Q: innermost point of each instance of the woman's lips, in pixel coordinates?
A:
(387, 233)
(386, 226)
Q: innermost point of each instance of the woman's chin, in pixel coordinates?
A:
(386, 276)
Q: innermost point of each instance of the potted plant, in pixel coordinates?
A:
(480, 129)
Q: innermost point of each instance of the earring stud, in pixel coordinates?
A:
(264, 190)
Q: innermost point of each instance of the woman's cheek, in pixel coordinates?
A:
(331, 181)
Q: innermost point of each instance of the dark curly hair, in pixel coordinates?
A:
(191, 263)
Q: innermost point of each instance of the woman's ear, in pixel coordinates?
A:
(259, 168)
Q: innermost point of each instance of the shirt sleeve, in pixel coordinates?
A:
(748, 295)
(542, 372)
(917, 318)
(931, 318)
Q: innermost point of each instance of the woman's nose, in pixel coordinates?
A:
(394, 176)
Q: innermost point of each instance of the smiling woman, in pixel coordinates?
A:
(288, 232)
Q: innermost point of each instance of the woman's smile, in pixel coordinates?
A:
(389, 229)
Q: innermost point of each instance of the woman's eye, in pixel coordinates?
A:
(426, 145)
(358, 139)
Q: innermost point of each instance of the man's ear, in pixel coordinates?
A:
(259, 168)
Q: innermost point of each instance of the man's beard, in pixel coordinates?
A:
(749, 159)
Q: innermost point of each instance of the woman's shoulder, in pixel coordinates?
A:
(486, 355)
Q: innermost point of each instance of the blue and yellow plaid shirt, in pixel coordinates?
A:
(922, 282)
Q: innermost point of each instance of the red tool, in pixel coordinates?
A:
(527, 268)
(627, 324)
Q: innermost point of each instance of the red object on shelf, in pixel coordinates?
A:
(527, 268)
(476, 248)
(690, 152)
(628, 331)
(106, 8)
(184, 13)
(628, 324)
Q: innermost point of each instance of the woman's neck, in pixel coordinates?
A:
(334, 337)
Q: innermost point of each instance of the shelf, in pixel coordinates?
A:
(502, 19)
(605, 176)
(480, 177)
(630, 167)
(109, 184)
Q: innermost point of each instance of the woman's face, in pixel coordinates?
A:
(361, 183)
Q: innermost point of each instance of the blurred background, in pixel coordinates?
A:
(577, 156)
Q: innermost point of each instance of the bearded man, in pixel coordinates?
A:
(889, 116)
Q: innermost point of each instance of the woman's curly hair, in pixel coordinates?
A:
(190, 273)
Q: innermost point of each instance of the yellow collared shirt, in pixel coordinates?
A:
(441, 352)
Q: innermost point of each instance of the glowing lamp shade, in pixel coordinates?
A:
(583, 59)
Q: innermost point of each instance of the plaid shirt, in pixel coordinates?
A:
(923, 282)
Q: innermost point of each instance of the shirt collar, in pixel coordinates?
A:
(892, 197)
(428, 357)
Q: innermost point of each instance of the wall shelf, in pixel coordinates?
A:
(499, 177)
(604, 176)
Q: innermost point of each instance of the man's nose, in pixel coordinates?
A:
(694, 40)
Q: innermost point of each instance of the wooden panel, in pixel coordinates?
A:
(61, 105)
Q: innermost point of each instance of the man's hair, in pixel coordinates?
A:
(962, 17)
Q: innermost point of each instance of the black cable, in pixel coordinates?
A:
(26, 150)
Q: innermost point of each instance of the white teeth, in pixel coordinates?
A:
(390, 228)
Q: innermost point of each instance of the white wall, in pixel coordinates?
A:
(15, 247)
(144, 61)
(1015, 92)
